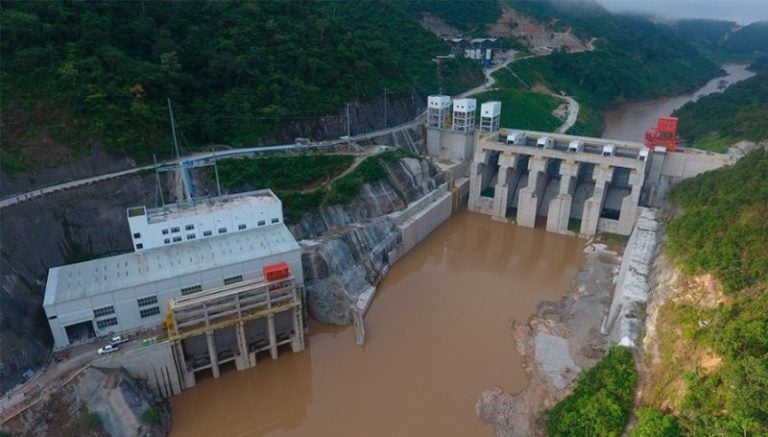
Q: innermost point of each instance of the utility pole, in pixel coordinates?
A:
(385, 109)
(173, 130)
(159, 192)
(216, 171)
(349, 134)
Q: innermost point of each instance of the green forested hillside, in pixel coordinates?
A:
(720, 41)
(74, 71)
(623, 66)
(722, 230)
(467, 16)
(750, 38)
(703, 33)
(760, 65)
(738, 113)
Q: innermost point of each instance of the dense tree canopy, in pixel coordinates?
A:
(738, 113)
(234, 70)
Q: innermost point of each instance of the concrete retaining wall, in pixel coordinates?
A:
(154, 364)
(624, 321)
(422, 221)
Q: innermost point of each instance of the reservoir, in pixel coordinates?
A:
(438, 334)
(630, 121)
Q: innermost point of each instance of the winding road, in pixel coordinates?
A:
(490, 81)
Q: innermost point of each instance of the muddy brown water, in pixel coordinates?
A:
(630, 121)
(438, 335)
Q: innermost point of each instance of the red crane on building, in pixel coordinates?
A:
(664, 134)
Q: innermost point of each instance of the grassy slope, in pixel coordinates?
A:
(524, 109)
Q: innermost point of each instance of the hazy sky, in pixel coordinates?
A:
(741, 11)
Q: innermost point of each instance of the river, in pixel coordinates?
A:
(630, 121)
(438, 335)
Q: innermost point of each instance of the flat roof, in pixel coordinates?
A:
(104, 275)
(182, 210)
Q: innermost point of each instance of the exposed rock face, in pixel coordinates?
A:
(50, 231)
(118, 400)
(351, 245)
(98, 162)
(363, 117)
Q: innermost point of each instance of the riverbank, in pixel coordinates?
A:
(560, 340)
(629, 121)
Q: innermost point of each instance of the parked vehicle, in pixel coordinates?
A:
(118, 339)
(108, 349)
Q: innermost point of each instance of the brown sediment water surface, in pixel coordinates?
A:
(630, 121)
(438, 335)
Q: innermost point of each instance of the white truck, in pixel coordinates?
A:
(108, 349)
(118, 339)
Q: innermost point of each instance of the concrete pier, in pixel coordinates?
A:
(594, 205)
(506, 185)
(530, 196)
(559, 213)
(555, 182)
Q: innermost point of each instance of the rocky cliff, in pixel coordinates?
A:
(49, 231)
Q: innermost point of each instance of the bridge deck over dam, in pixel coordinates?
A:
(577, 184)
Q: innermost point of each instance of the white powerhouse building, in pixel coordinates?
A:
(226, 240)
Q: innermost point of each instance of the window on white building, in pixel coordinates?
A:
(101, 324)
(191, 236)
(175, 229)
(207, 233)
(139, 246)
(241, 227)
(176, 239)
(275, 220)
(149, 300)
(222, 230)
(262, 223)
(189, 290)
(167, 241)
(189, 227)
(149, 312)
(233, 279)
(103, 311)
(137, 235)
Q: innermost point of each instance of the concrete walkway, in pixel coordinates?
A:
(199, 157)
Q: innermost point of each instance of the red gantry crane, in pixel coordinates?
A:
(664, 134)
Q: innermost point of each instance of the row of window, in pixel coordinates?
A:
(149, 312)
(145, 301)
(101, 324)
(233, 279)
(189, 290)
(150, 300)
(240, 227)
(103, 311)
